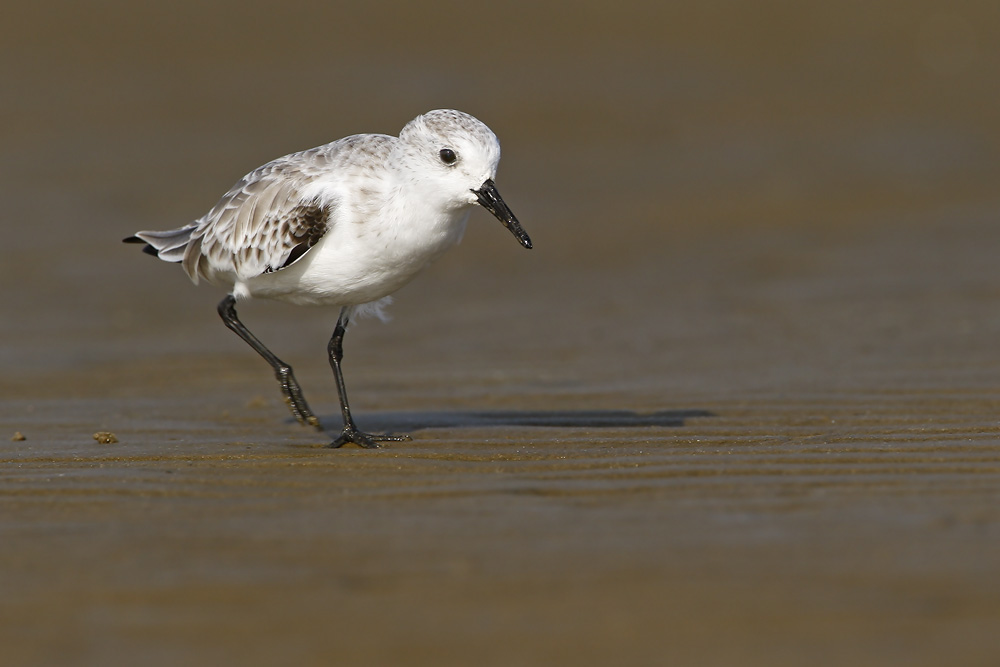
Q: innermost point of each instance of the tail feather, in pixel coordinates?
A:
(168, 245)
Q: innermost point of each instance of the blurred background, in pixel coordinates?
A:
(778, 215)
(663, 156)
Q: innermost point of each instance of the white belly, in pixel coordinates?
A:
(356, 264)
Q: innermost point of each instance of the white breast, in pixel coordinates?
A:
(365, 256)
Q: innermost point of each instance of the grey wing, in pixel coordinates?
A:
(264, 223)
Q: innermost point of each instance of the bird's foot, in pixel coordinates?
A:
(366, 440)
(296, 402)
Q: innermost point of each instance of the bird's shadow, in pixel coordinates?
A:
(394, 422)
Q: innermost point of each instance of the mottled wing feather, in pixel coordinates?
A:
(264, 223)
(306, 225)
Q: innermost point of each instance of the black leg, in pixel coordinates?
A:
(350, 432)
(289, 386)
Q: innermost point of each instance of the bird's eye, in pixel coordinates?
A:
(448, 156)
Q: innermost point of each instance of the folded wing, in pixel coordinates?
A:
(265, 223)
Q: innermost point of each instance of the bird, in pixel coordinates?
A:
(342, 225)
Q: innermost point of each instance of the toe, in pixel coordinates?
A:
(357, 437)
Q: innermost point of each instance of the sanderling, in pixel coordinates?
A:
(345, 224)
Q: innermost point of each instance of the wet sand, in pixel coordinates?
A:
(738, 406)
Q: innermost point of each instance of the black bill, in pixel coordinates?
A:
(490, 199)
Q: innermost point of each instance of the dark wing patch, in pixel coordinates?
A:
(303, 227)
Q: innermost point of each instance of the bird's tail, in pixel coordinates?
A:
(168, 246)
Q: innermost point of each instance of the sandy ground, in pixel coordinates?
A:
(738, 406)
